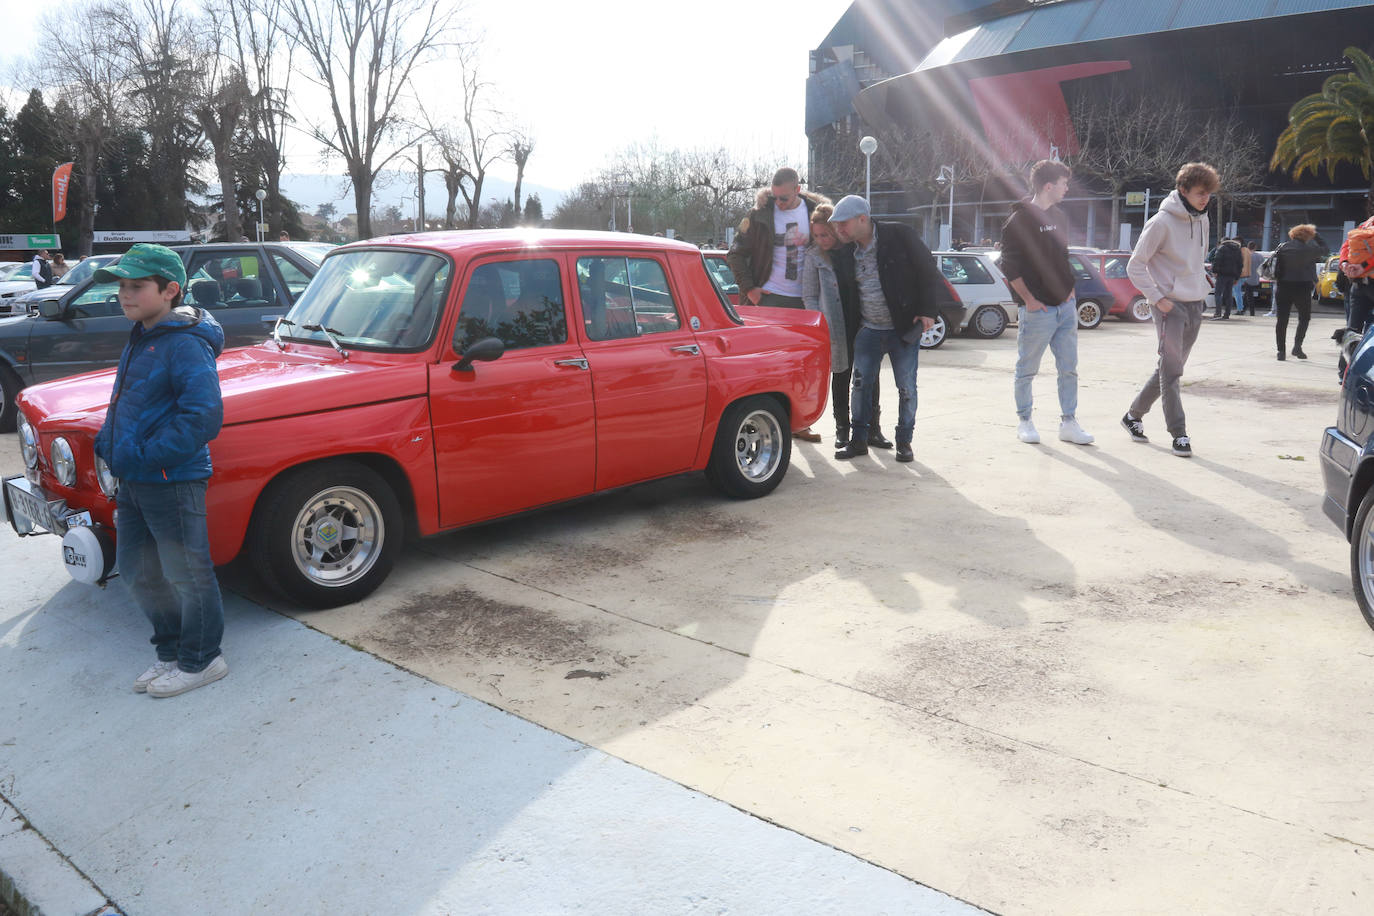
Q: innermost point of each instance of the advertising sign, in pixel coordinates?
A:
(61, 179)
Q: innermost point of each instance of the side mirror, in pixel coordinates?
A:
(51, 309)
(484, 350)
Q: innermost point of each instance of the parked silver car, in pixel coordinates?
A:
(988, 305)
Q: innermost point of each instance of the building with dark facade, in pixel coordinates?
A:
(1020, 80)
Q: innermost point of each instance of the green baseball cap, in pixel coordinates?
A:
(144, 260)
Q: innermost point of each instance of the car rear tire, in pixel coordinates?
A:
(326, 534)
(752, 450)
(1139, 310)
(10, 386)
(936, 335)
(1362, 557)
(988, 322)
(1090, 313)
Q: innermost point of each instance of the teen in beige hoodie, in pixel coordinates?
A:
(1167, 267)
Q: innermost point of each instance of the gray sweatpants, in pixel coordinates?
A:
(1177, 331)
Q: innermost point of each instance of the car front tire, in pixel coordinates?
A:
(936, 335)
(988, 322)
(1139, 309)
(1090, 314)
(327, 534)
(1362, 558)
(752, 450)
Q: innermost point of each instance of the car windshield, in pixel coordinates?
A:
(374, 299)
(84, 269)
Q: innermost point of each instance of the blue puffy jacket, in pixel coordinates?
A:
(165, 407)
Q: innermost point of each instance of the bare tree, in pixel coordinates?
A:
(1234, 151)
(520, 149)
(362, 53)
(221, 106)
(74, 57)
(470, 145)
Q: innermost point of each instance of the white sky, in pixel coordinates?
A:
(589, 77)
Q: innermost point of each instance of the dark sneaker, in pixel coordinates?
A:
(841, 436)
(1135, 428)
(1297, 351)
(1183, 447)
(852, 450)
(877, 439)
(904, 453)
(1281, 356)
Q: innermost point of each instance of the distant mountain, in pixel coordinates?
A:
(398, 189)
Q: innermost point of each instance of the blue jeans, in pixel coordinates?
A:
(869, 346)
(1056, 327)
(163, 553)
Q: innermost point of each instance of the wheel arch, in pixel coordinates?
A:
(1360, 485)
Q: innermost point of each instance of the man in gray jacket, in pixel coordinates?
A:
(1167, 267)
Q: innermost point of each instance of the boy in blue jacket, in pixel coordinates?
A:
(164, 410)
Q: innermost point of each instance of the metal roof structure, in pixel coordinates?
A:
(1068, 22)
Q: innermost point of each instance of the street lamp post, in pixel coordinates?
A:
(946, 176)
(868, 146)
(261, 196)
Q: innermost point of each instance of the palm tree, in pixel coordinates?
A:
(1333, 126)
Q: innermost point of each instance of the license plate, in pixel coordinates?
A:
(28, 508)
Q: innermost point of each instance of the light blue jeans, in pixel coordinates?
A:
(1055, 327)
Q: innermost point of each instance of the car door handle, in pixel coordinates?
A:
(578, 363)
(688, 348)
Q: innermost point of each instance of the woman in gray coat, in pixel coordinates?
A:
(821, 293)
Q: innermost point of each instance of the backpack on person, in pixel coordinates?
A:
(1359, 246)
(1266, 269)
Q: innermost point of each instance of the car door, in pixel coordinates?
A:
(519, 431)
(974, 284)
(648, 374)
(89, 334)
(238, 288)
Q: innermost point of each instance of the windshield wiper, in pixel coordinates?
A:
(276, 331)
(329, 335)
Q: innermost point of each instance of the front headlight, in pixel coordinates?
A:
(28, 443)
(63, 464)
(108, 482)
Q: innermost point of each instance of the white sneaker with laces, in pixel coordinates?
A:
(177, 681)
(1070, 431)
(158, 670)
(1026, 432)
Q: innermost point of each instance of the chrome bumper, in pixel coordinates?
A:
(31, 511)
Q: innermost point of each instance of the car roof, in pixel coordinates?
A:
(477, 241)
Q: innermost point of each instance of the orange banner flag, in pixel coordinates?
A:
(61, 178)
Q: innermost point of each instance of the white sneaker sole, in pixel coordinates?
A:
(217, 669)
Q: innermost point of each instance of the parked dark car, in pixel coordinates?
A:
(1347, 460)
(79, 273)
(246, 286)
(1095, 299)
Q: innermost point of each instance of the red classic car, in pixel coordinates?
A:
(423, 383)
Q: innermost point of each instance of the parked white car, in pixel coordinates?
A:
(988, 305)
(15, 280)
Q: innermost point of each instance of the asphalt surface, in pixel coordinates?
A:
(1048, 679)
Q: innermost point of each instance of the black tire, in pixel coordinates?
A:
(292, 526)
(937, 335)
(988, 322)
(1090, 314)
(1362, 558)
(752, 450)
(10, 386)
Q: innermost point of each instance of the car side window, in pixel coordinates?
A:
(521, 302)
(625, 297)
(1114, 269)
(1079, 270)
(101, 300)
(292, 276)
(723, 275)
(217, 280)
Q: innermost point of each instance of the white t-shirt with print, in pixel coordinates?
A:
(791, 233)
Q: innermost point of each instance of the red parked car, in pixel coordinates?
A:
(424, 383)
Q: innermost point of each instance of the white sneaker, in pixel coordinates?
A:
(158, 670)
(1070, 431)
(177, 681)
(1026, 432)
(1271, 314)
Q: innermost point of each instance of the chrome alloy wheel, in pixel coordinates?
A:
(337, 536)
(1366, 558)
(758, 445)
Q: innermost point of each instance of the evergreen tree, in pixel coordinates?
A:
(534, 211)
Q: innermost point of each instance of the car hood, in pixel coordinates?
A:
(257, 383)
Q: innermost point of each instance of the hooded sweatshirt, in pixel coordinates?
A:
(1168, 259)
(165, 407)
